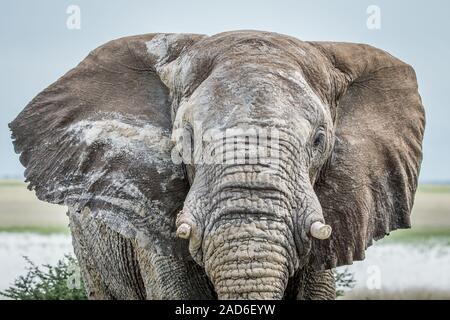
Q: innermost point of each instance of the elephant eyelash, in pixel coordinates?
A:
(319, 139)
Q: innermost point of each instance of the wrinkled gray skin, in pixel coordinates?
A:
(350, 124)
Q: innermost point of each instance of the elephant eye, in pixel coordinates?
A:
(319, 139)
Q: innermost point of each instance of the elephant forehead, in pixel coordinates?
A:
(256, 84)
(280, 100)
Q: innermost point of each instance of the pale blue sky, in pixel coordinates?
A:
(37, 48)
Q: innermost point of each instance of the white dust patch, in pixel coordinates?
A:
(140, 140)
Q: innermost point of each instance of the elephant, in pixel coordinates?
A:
(150, 142)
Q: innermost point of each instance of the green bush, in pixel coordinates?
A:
(344, 281)
(60, 282)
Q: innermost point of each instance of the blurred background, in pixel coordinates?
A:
(41, 40)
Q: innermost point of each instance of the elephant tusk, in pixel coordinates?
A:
(320, 230)
(184, 231)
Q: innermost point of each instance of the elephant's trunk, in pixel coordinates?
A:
(248, 245)
(255, 221)
(248, 260)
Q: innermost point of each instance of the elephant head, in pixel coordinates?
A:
(265, 153)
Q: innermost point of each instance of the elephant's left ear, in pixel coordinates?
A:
(98, 139)
(367, 187)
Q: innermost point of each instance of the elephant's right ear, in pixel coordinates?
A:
(367, 187)
(98, 139)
